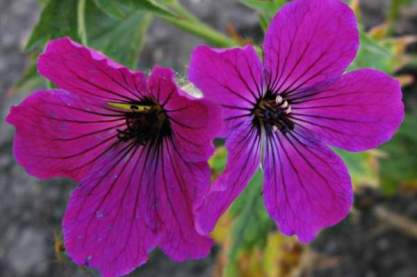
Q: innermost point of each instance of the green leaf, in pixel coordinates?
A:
(363, 167)
(251, 222)
(373, 54)
(266, 9)
(264, 22)
(170, 11)
(269, 6)
(120, 9)
(218, 161)
(58, 18)
(400, 165)
(112, 8)
(120, 39)
(151, 6)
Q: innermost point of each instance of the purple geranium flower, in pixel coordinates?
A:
(138, 146)
(286, 112)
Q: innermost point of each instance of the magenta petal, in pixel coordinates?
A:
(194, 127)
(243, 160)
(360, 111)
(86, 71)
(138, 197)
(60, 134)
(111, 222)
(139, 148)
(309, 42)
(179, 184)
(307, 187)
(195, 122)
(135, 199)
(231, 78)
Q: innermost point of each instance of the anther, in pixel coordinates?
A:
(145, 121)
(288, 110)
(275, 129)
(127, 107)
(284, 105)
(279, 99)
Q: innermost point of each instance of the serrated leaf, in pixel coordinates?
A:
(120, 9)
(58, 18)
(120, 39)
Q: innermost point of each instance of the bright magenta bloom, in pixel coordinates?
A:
(284, 113)
(138, 146)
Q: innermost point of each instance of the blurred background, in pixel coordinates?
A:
(378, 239)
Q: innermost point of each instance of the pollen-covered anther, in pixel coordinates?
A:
(288, 110)
(284, 104)
(128, 107)
(275, 129)
(279, 99)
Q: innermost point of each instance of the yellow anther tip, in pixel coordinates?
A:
(129, 107)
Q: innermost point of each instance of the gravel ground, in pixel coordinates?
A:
(365, 244)
(31, 211)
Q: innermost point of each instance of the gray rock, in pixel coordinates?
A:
(29, 253)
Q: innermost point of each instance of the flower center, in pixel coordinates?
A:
(146, 121)
(272, 112)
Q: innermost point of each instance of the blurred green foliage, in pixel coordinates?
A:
(363, 167)
(373, 54)
(251, 222)
(399, 166)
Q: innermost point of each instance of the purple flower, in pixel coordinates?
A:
(138, 146)
(285, 113)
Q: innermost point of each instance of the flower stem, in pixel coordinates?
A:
(191, 24)
(82, 32)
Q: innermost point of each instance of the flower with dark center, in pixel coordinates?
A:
(284, 114)
(137, 145)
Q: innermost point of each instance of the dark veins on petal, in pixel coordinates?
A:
(272, 113)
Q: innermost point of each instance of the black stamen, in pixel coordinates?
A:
(271, 112)
(149, 126)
